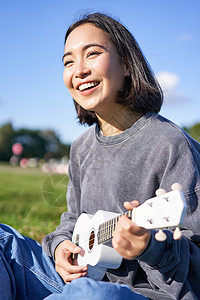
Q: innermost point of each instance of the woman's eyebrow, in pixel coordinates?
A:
(85, 48)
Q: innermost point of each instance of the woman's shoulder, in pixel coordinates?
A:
(170, 133)
(168, 130)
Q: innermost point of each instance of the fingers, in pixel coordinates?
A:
(130, 240)
(67, 268)
(126, 228)
(69, 246)
(131, 205)
(68, 273)
(123, 247)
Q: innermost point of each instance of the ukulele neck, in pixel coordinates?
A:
(107, 228)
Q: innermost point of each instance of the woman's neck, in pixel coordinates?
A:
(118, 121)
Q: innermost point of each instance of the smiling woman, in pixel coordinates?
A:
(94, 72)
(130, 153)
(140, 91)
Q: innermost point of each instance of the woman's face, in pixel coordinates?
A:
(94, 72)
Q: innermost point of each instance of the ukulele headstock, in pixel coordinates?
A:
(163, 211)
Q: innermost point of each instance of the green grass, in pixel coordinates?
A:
(31, 201)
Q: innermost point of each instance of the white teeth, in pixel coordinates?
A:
(85, 86)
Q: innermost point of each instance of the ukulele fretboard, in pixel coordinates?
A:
(107, 228)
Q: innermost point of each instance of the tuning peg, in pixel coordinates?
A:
(160, 192)
(160, 236)
(176, 186)
(177, 234)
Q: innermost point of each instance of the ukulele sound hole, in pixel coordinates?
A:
(91, 240)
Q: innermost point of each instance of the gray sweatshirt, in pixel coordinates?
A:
(105, 171)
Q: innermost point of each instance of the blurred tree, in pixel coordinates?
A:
(53, 144)
(194, 131)
(6, 141)
(36, 143)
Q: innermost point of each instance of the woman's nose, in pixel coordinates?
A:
(81, 70)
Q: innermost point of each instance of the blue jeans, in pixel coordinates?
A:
(88, 289)
(27, 273)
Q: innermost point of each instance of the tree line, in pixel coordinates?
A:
(194, 131)
(36, 143)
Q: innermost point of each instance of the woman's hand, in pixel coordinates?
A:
(67, 268)
(130, 240)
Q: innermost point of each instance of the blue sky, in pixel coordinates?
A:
(32, 92)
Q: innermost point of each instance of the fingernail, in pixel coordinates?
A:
(84, 273)
(84, 269)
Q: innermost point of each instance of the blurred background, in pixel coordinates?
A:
(32, 92)
(37, 117)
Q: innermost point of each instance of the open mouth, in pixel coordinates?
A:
(87, 86)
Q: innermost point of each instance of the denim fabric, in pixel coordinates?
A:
(26, 272)
(88, 289)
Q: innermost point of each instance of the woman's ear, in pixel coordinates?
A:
(126, 69)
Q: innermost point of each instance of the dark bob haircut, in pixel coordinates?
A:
(141, 91)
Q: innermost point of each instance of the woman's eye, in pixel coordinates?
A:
(93, 53)
(68, 63)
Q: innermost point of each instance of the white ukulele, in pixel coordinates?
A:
(91, 232)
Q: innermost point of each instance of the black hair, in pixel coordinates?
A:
(141, 91)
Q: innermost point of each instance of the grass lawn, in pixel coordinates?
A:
(31, 201)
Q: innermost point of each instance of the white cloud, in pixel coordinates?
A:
(169, 83)
(167, 80)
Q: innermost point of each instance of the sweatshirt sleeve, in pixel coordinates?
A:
(173, 266)
(68, 219)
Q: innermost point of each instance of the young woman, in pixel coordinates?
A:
(128, 153)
